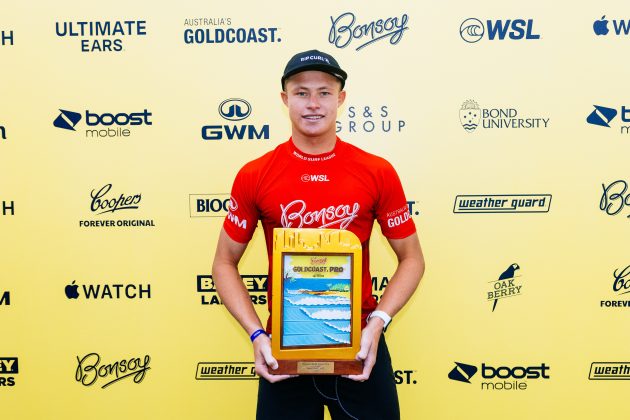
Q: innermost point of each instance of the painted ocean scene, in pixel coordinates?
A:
(316, 301)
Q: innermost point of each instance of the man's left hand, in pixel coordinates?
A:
(370, 336)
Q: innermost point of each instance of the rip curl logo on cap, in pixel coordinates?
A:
(315, 57)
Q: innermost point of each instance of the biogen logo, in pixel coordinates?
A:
(314, 178)
(296, 212)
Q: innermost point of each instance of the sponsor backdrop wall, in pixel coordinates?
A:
(123, 125)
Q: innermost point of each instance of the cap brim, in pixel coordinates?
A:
(337, 73)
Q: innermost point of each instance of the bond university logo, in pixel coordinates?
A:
(235, 110)
(621, 27)
(473, 30)
(469, 115)
(8, 370)
(506, 286)
(462, 372)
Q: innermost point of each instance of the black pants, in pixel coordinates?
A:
(304, 397)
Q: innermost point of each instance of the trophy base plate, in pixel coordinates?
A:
(319, 367)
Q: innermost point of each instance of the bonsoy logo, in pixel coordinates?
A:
(90, 370)
(614, 198)
(345, 30)
(234, 109)
(473, 30)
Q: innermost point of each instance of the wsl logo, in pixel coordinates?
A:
(234, 110)
(108, 291)
(473, 30)
(620, 27)
(345, 30)
(505, 286)
(105, 125)
(602, 116)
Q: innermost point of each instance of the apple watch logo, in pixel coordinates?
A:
(601, 26)
(72, 290)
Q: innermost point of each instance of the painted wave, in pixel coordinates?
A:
(341, 339)
(327, 313)
(345, 328)
(315, 300)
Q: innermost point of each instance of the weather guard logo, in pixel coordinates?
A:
(234, 109)
(473, 30)
(345, 29)
(225, 371)
(609, 371)
(517, 203)
(256, 285)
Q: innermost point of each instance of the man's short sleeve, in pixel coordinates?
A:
(392, 211)
(240, 222)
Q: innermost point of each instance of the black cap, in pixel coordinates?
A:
(313, 60)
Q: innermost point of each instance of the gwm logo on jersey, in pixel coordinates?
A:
(92, 370)
(108, 291)
(103, 125)
(473, 30)
(621, 287)
(8, 370)
(620, 27)
(615, 197)
(506, 286)
(6, 38)
(603, 116)
(256, 285)
(502, 378)
(235, 110)
(102, 202)
(471, 116)
(101, 36)
(219, 30)
(370, 119)
(346, 30)
(503, 203)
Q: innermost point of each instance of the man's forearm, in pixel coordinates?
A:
(401, 286)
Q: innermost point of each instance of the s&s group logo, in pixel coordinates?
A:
(500, 378)
(620, 287)
(8, 208)
(235, 110)
(8, 370)
(602, 116)
(212, 371)
(506, 286)
(347, 30)
(220, 30)
(503, 203)
(93, 370)
(256, 285)
(103, 125)
(371, 119)
(103, 203)
(108, 291)
(473, 30)
(101, 36)
(614, 199)
(471, 116)
(6, 38)
(621, 27)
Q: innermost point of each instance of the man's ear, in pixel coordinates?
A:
(285, 97)
(341, 98)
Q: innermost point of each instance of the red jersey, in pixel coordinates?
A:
(346, 188)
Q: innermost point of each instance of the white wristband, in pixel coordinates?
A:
(380, 314)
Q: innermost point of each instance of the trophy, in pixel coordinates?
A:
(316, 301)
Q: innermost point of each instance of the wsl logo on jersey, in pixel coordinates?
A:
(8, 370)
(370, 119)
(234, 111)
(621, 288)
(256, 285)
(499, 378)
(474, 30)
(602, 116)
(347, 30)
(103, 124)
(471, 116)
(219, 31)
(104, 202)
(101, 36)
(620, 27)
(6, 38)
(506, 286)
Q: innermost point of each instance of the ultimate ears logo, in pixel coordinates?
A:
(505, 286)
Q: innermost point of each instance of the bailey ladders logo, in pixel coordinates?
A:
(345, 29)
(505, 286)
(255, 284)
(235, 109)
(473, 30)
(90, 370)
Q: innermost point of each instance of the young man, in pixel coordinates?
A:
(315, 180)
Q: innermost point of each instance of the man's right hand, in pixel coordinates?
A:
(264, 360)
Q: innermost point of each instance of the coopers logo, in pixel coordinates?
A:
(602, 116)
(502, 378)
(370, 119)
(503, 203)
(473, 30)
(104, 203)
(234, 109)
(209, 205)
(8, 370)
(6, 38)
(107, 124)
(255, 284)
(471, 116)
(108, 291)
(620, 286)
(346, 30)
(101, 36)
(219, 30)
(91, 369)
(609, 371)
(226, 371)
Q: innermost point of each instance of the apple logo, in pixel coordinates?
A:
(601, 26)
(72, 290)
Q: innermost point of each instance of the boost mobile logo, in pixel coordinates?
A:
(601, 116)
(67, 120)
(462, 372)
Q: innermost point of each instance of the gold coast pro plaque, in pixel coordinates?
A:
(316, 301)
